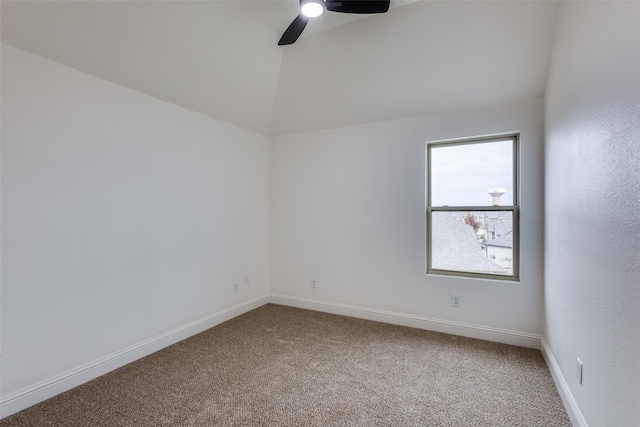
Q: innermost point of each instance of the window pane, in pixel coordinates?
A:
(463, 175)
(472, 242)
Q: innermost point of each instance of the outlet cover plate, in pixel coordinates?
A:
(579, 370)
(455, 300)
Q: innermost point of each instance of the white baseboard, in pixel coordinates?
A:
(41, 391)
(570, 403)
(505, 336)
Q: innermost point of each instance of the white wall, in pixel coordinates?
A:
(123, 218)
(348, 208)
(592, 238)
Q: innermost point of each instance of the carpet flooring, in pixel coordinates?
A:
(283, 366)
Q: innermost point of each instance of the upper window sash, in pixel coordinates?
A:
(514, 187)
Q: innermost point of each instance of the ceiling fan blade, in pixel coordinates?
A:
(358, 6)
(294, 30)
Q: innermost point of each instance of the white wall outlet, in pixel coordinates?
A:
(455, 300)
(235, 288)
(579, 371)
(314, 283)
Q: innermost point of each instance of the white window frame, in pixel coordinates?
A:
(514, 208)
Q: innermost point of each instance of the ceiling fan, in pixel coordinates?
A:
(314, 8)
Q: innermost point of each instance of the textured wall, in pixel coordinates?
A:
(123, 217)
(592, 238)
(348, 207)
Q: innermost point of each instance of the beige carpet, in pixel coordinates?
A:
(282, 366)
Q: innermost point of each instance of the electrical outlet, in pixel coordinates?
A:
(314, 283)
(455, 300)
(235, 288)
(579, 371)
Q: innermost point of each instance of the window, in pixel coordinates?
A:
(472, 207)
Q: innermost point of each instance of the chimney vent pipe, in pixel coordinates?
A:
(496, 194)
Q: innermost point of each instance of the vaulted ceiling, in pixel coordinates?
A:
(221, 58)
